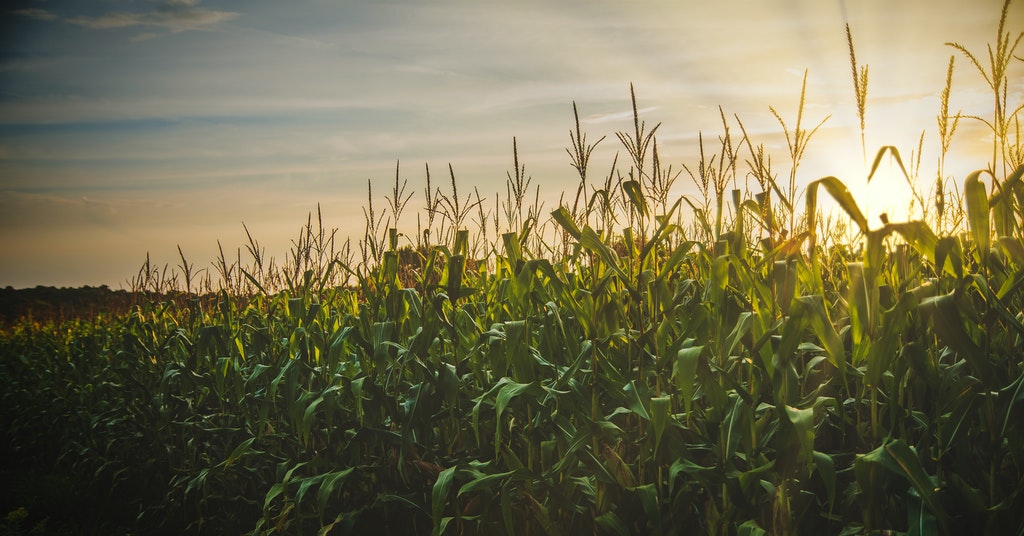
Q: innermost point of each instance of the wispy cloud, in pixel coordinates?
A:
(36, 13)
(617, 116)
(174, 16)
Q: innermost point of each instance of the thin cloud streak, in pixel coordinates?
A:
(175, 16)
(36, 13)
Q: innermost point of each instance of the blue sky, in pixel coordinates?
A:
(129, 127)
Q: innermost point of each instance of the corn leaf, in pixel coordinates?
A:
(439, 497)
(976, 199)
(842, 196)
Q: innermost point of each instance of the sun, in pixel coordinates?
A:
(888, 196)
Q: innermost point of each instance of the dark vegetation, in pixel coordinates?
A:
(51, 304)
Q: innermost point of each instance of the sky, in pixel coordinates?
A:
(134, 127)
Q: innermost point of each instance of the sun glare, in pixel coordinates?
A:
(888, 194)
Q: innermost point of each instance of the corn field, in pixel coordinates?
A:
(738, 362)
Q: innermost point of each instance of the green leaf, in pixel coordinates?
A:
(507, 513)
(688, 467)
(978, 217)
(518, 351)
(563, 218)
(610, 523)
(330, 482)
(601, 472)
(483, 482)
(948, 325)
(241, 450)
(540, 512)
(675, 260)
(307, 420)
(618, 468)
(304, 486)
(920, 521)
(439, 497)
(648, 494)
(636, 197)
(635, 399)
(948, 248)
(1012, 184)
(827, 471)
(901, 460)
(783, 284)
(909, 467)
(750, 481)
(661, 411)
(750, 528)
(357, 393)
(735, 424)
(513, 249)
(813, 307)
(754, 208)
(664, 230)
(739, 331)
(507, 393)
(843, 197)
(795, 440)
(1014, 404)
(455, 273)
(919, 235)
(684, 372)
(885, 346)
(878, 160)
(276, 490)
(590, 240)
(1013, 248)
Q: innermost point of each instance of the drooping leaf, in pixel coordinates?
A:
(636, 399)
(241, 450)
(636, 197)
(484, 482)
(895, 154)
(563, 218)
(795, 440)
(948, 249)
(543, 517)
(843, 198)
(439, 497)
(920, 521)
(734, 426)
(610, 523)
(949, 327)
(750, 528)
(618, 468)
(661, 410)
(648, 495)
(899, 459)
(827, 471)
(684, 372)
(978, 218)
(331, 481)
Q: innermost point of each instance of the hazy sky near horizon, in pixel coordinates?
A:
(129, 127)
